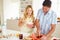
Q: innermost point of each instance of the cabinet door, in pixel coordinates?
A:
(1, 12)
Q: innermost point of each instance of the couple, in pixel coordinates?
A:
(45, 21)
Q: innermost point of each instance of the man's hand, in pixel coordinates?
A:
(44, 37)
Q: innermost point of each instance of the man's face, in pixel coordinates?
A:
(46, 9)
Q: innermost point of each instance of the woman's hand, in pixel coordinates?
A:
(30, 25)
(20, 22)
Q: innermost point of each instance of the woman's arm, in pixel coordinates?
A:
(20, 22)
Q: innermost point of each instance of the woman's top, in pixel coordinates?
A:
(27, 26)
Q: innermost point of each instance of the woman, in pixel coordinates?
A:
(27, 22)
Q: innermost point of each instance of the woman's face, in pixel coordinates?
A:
(29, 11)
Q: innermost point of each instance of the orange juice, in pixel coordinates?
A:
(17, 35)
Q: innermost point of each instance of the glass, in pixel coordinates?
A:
(20, 36)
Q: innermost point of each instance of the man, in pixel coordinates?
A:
(46, 20)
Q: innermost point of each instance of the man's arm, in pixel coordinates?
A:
(37, 26)
(53, 24)
(52, 30)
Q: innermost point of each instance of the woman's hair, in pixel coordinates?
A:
(47, 3)
(25, 12)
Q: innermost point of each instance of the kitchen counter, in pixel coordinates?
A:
(7, 32)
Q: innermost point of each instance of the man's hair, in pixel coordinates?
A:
(47, 3)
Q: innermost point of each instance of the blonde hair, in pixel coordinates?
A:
(25, 12)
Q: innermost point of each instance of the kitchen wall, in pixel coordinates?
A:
(37, 4)
(11, 9)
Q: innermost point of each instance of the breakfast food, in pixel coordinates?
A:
(34, 37)
(29, 22)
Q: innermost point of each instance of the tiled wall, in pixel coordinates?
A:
(24, 3)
